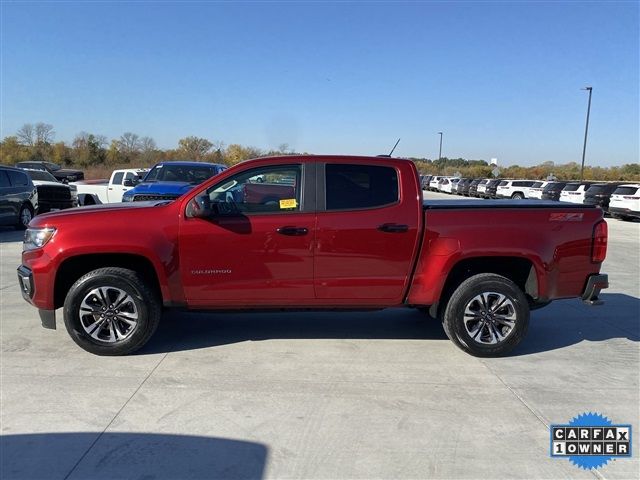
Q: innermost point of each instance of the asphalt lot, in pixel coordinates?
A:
(317, 395)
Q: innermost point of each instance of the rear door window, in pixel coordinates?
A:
(360, 186)
(18, 179)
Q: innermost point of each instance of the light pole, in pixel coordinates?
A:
(440, 152)
(586, 130)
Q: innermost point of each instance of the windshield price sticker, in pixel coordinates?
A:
(288, 203)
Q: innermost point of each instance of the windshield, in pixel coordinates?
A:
(536, 185)
(180, 173)
(41, 175)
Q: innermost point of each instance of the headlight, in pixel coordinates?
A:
(36, 238)
(74, 191)
(127, 198)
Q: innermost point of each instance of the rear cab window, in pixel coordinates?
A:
(355, 186)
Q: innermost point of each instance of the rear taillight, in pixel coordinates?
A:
(599, 242)
(631, 198)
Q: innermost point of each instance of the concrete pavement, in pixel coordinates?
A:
(317, 395)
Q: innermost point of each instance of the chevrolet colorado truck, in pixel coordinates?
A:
(311, 233)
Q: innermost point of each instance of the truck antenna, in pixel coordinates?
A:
(394, 147)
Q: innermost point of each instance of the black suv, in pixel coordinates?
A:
(492, 188)
(600, 194)
(552, 190)
(52, 195)
(63, 175)
(18, 198)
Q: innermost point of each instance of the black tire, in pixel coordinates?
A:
(24, 216)
(517, 196)
(142, 300)
(465, 295)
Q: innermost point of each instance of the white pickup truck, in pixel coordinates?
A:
(95, 192)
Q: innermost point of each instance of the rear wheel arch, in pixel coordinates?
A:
(519, 270)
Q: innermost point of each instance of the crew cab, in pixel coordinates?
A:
(96, 192)
(169, 180)
(315, 232)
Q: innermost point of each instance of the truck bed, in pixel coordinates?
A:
(472, 204)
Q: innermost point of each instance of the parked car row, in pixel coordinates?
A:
(621, 200)
(36, 187)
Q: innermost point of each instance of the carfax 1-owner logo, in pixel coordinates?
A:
(590, 440)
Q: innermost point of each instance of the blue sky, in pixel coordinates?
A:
(500, 79)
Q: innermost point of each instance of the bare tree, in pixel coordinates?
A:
(26, 135)
(43, 133)
(129, 143)
(147, 144)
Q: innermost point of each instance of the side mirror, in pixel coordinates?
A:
(131, 182)
(199, 207)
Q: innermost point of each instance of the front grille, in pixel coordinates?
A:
(145, 198)
(52, 193)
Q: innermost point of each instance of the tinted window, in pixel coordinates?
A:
(554, 186)
(180, 173)
(360, 186)
(482, 182)
(261, 190)
(18, 179)
(503, 183)
(598, 189)
(117, 178)
(4, 179)
(41, 175)
(536, 185)
(572, 187)
(625, 191)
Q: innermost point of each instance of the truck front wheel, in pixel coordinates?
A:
(111, 311)
(487, 315)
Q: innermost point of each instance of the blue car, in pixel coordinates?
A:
(169, 180)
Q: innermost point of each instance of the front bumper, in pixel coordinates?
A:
(595, 283)
(28, 290)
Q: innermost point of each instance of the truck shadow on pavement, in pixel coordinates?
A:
(129, 455)
(561, 324)
(180, 331)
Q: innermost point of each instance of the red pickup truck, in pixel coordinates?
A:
(318, 232)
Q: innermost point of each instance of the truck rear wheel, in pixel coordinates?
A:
(487, 315)
(111, 311)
